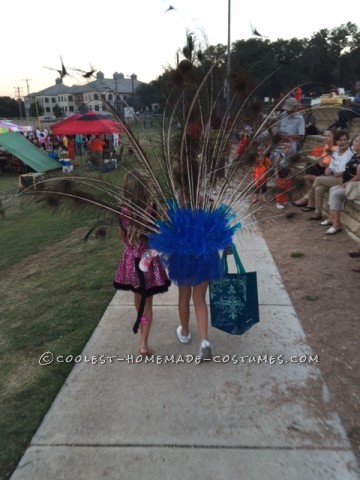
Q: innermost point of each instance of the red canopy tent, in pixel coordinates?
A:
(89, 124)
(64, 121)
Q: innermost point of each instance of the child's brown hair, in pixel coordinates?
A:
(136, 192)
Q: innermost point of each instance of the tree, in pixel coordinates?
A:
(328, 58)
(9, 107)
(58, 111)
(83, 108)
(335, 48)
(35, 109)
(145, 96)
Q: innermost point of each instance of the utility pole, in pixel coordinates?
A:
(27, 111)
(228, 63)
(132, 76)
(27, 80)
(17, 90)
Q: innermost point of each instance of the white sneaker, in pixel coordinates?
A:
(205, 351)
(181, 337)
(280, 206)
(325, 223)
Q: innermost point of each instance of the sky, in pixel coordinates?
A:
(136, 36)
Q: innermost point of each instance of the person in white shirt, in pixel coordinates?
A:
(292, 124)
(332, 175)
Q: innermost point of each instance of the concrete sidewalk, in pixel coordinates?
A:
(227, 420)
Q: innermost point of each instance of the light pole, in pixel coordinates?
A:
(18, 89)
(228, 63)
(27, 110)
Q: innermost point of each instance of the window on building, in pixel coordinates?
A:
(96, 96)
(110, 97)
(47, 109)
(71, 109)
(46, 100)
(70, 98)
(53, 100)
(97, 109)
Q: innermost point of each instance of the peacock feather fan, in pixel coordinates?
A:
(191, 169)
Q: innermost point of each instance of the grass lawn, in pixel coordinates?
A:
(55, 288)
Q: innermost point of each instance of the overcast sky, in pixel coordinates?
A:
(137, 36)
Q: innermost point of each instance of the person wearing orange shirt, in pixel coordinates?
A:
(97, 148)
(260, 173)
(320, 160)
(70, 147)
(284, 186)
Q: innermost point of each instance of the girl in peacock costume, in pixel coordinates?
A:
(197, 184)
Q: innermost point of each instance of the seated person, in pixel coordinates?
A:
(337, 193)
(332, 175)
(280, 157)
(318, 165)
(291, 124)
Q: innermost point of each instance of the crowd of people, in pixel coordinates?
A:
(330, 166)
(65, 148)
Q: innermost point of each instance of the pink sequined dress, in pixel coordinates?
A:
(127, 276)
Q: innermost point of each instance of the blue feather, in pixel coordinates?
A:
(196, 232)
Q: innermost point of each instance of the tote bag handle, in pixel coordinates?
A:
(239, 266)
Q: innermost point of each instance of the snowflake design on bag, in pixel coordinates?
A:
(229, 298)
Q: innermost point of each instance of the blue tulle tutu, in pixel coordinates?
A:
(189, 240)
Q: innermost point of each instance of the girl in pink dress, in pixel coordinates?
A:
(134, 234)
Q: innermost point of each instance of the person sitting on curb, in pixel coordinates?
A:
(337, 193)
(333, 173)
(292, 124)
(317, 168)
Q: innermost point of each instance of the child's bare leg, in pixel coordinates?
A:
(201, 310)
(144, 327)
(184, 309)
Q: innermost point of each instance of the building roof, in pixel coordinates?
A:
(54, 90)
(118, 84)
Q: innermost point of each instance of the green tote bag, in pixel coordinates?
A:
(234, 305)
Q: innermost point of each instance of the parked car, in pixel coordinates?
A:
(47, 118)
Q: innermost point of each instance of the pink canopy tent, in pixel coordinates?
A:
(7, 126)
(89, 124)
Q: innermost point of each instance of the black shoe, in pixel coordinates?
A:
(308, 209)
(303, 205)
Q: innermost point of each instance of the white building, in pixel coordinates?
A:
(93, 95)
